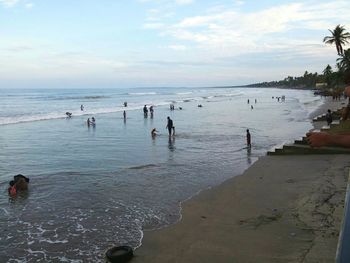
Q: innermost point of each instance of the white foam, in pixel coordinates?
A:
(142, 93)
(45, 240)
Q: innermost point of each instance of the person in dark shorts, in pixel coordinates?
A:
(151, 110)
(145, 111)
(248, 139)
(170, 125)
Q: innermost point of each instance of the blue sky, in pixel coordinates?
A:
(135, 43)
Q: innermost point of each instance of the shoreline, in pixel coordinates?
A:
(275, 207)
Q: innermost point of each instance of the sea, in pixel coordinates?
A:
(98, 186)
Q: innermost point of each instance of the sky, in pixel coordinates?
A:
(163, 43)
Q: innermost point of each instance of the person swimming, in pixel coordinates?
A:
(69, 114)
(18, 184)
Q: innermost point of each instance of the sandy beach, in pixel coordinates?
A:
(281, 209)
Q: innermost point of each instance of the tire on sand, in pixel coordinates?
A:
(119, 254)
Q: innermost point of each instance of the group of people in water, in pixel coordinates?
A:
(91, 122)
(145, 111)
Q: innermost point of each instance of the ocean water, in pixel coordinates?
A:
(95, 187)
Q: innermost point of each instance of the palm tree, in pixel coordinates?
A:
(344, 65)
(339, 38)
(344, 60)
(327, 71)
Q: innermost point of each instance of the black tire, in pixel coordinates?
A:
(119, 254)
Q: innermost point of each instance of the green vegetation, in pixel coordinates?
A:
(332, 80)
(339, 37)
(307, 81)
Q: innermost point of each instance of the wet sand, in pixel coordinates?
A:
(282, 209)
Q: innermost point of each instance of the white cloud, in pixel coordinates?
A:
(153, 25)
(236, 32)
(178, 47)
(9, 3)
(184, 2)
(29, 5)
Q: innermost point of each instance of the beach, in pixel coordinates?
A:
(281, 209)
(109, 184)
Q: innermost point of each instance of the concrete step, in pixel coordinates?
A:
(335, 114)
(291, 149)
(301, 141)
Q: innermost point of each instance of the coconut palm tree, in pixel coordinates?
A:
(339, 37)
(327, 71)
(344, 60)
(344, 65)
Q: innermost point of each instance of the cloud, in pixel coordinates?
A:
(9, 3)
(13, 3)
(239, 32)
(184, 2)
(153, 25)
(178, 47)
(29, 5)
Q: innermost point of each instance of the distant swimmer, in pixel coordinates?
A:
(248, 101)
(256, 101)
(88, 122)
(125, 104)
(93, 121)
(81, 107)
(170, 126)
(248, 139)
(124, 114)
(18, 184)
(251, 107)
(69, 114)
(200, 106)
(180, 108)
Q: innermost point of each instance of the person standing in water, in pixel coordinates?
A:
(170, 125)
(248, 139)
(81, 107)
(151, 111)
(145, 111)
(93, 121)
(124, 114)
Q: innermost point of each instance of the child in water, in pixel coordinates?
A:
(154, 132)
